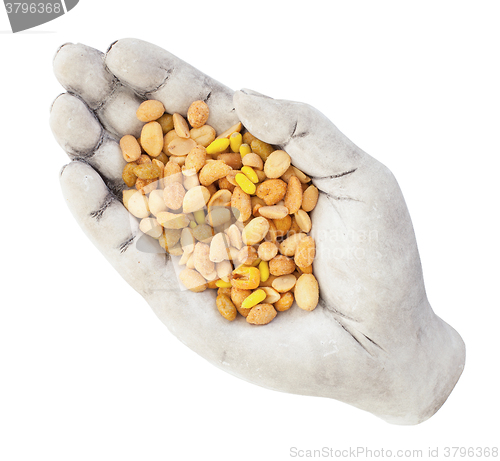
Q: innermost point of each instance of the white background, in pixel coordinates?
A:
(87, 372)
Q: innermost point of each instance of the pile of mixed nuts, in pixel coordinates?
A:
(231, 207)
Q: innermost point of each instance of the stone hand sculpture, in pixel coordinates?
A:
(373, 341)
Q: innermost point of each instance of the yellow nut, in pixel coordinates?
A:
(221, 284)
(152, 138)
(245, 184)
(250, 174)
(264, 271)
(255, 298)
(235, 141)
(245, 149)
(131, 150)
(150, 110)
(245, 278)
(218, 145)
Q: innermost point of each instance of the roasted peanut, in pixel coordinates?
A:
(131, 150)
(196, 158)
(241, 205)
(237, 297)
(247, 255)
(226, 307)
(285, 302)
(195, 199)
(213, 171)
(145, 186)
(255, 231)
(303, 221)
(137, 204)
(230, 131)
(198, 113)
(305, 252)
(231, 159)
(307, 292)
(203, 135)
(267, 251)
(253, 160)
(283, 225)
(151, 227)
(310, 198)
(180, 125)
(150, 110)
(219, 248)
(281, 265)
(288, 246)
(152, 138)
(271, 191)
(167, 123)
(173, 195)
(261, 314)
(172, 173)
(276, 164)
(274, 211)
(202, 261)
(181, 147)
(293, 196)
(284, 283)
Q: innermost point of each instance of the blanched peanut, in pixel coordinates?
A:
(218, 216)
(219, 248)
(271, 191)
(261, 314)
(281, 265)
(247, 255)
(196, 158)
(276, 164)
(181, 147)
(241, 205)
(187, 240)
(150, 110)
(224, 270)
(180, 125)
(126, 194)
(213, 171)
(234, 236)
(288, 246)
(305, 252)
(128, 176)
(131, 150)
(225, 184)
(293, 196)
(172, 221)
(192, 280)
(303, 221)
(203, 135)
(274, 211)
(202, 261)
(152, 138)
(271, 295)
(272, 234)
(285, 302)
(195, 199)
(151, 227)
(173, 195)
(303, 178)
(137, 204)
(198, 113)
(267, 251)
(294, 228)
(203, 233)
(255, 231)
(307, 292)
(310, 198)
(167, 123)
(220, 198)
(226, 307)
(284, 283)
(169, 238)
(167, 139)
(253, 160)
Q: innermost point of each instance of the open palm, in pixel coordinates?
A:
(373, 342)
